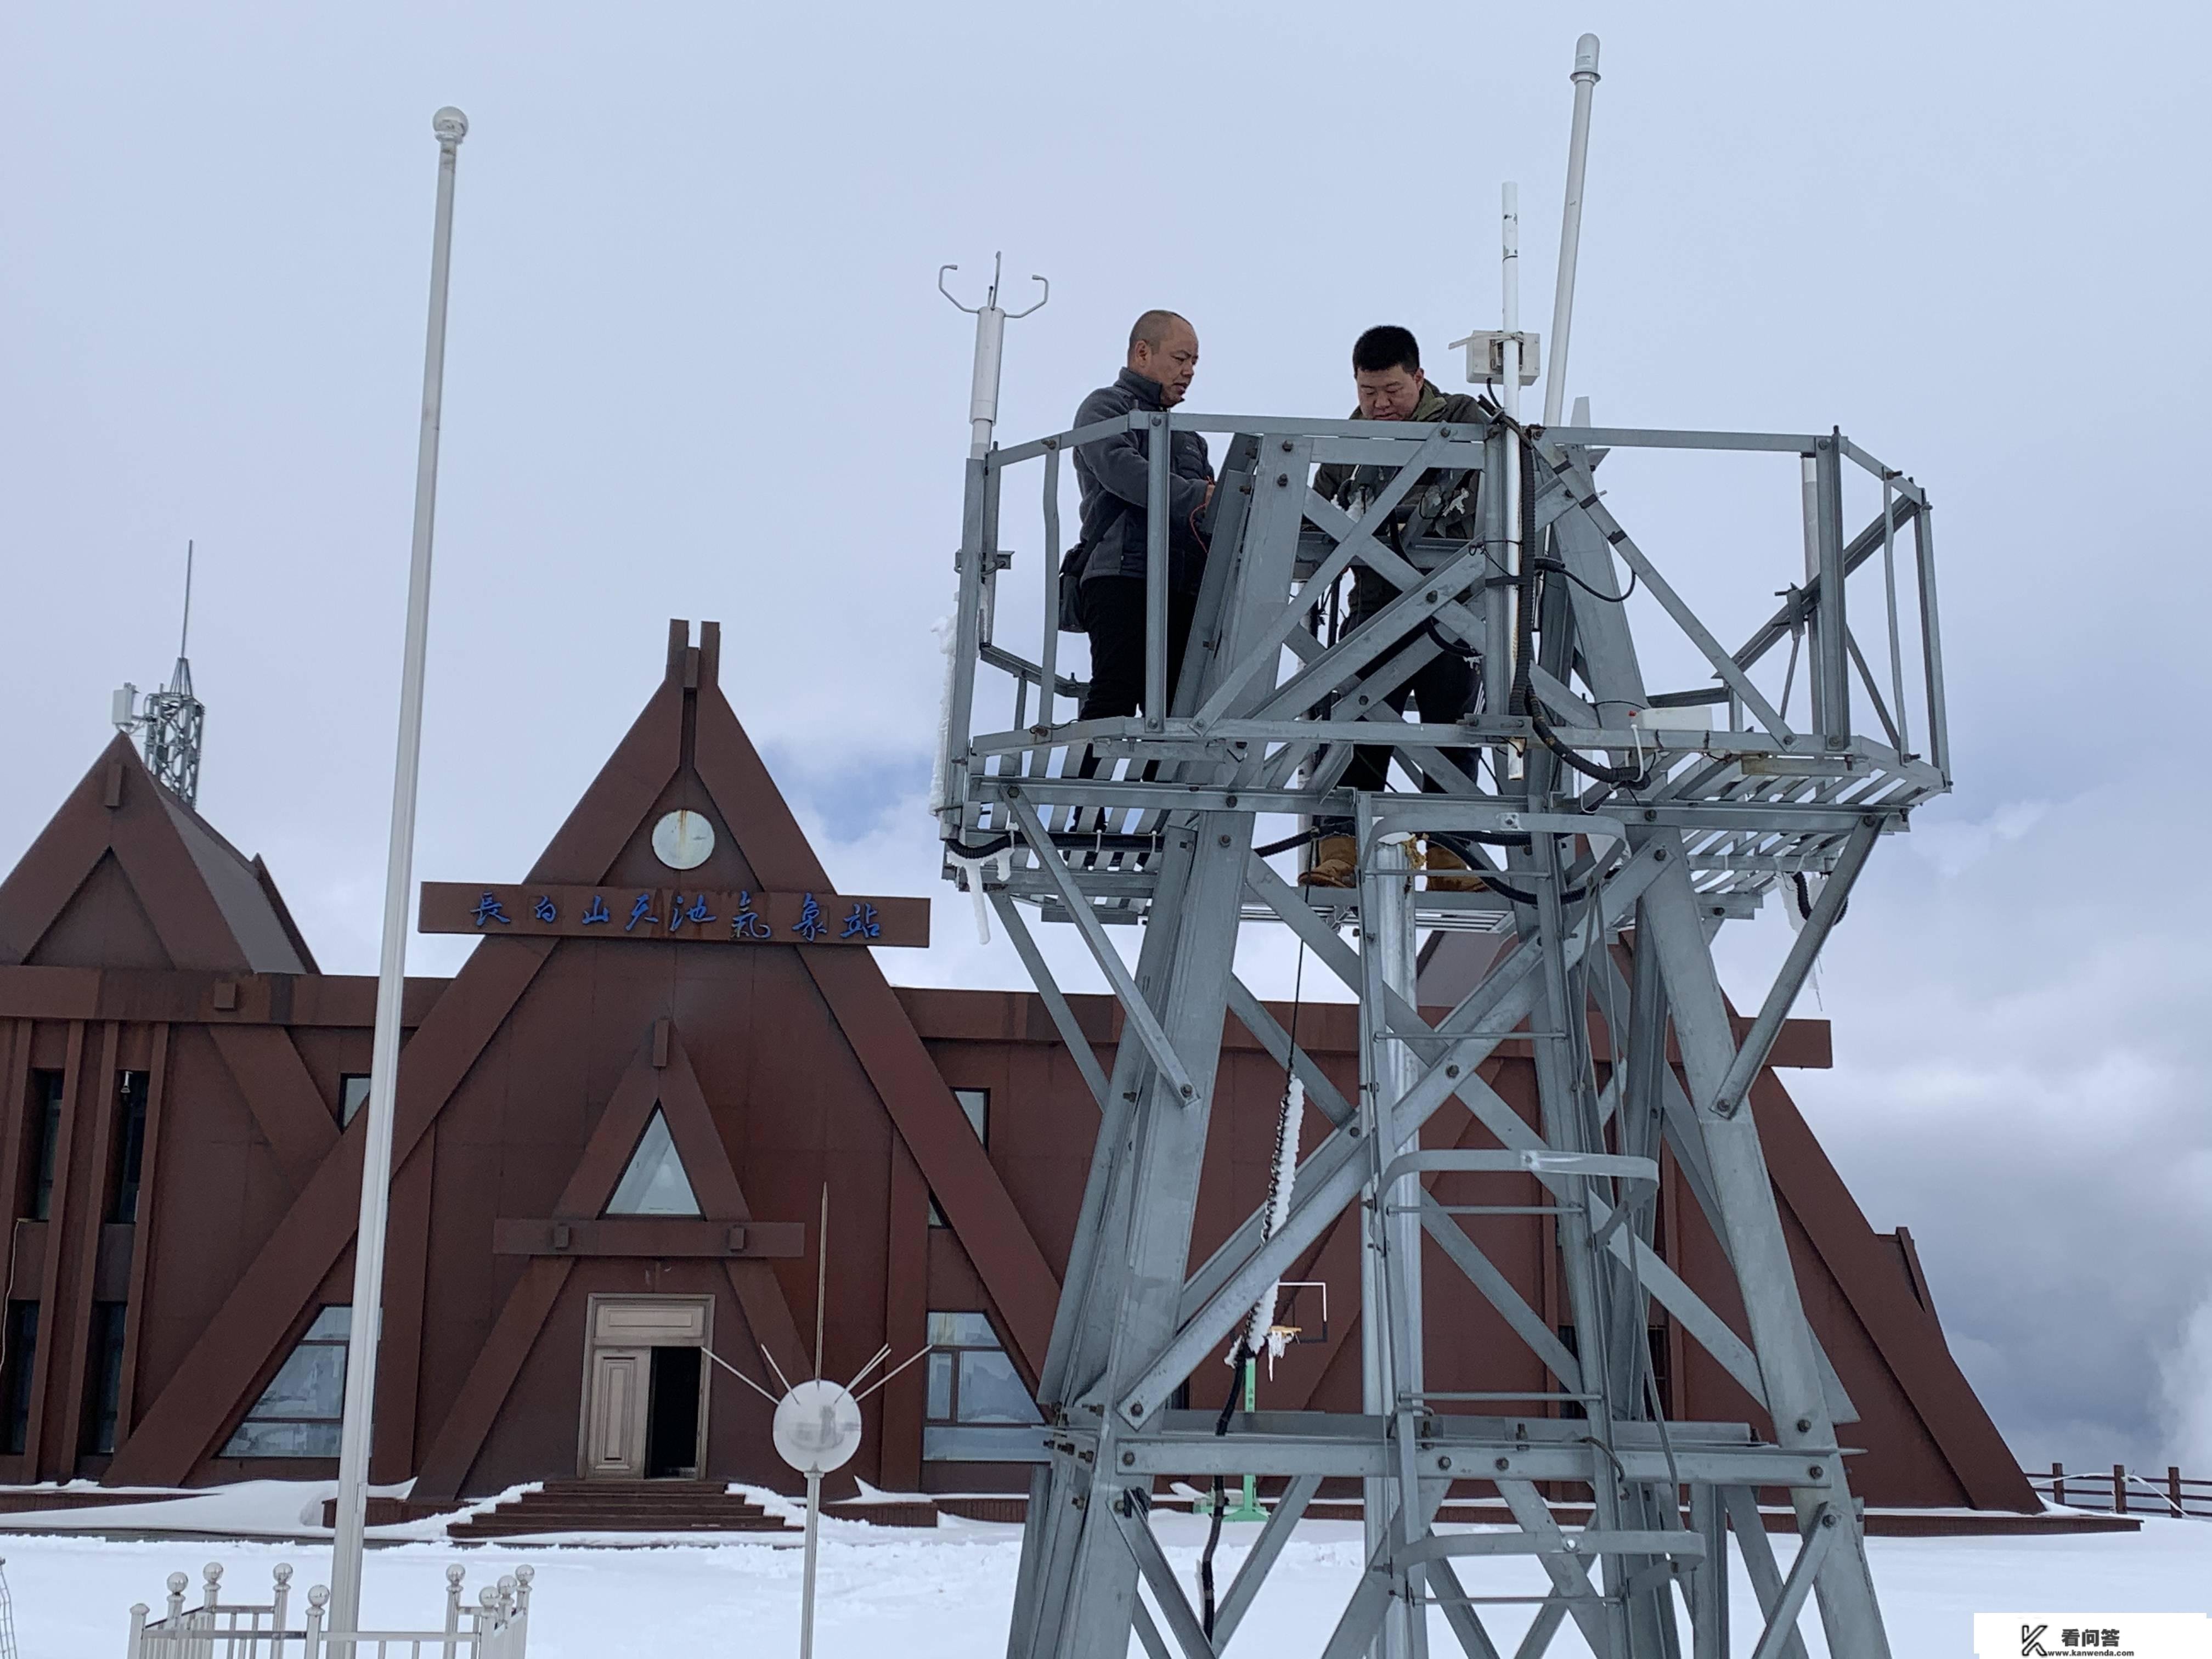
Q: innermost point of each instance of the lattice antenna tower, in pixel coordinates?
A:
(172, 721)
(1617, 827)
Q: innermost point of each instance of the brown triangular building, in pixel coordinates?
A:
(613, 1141)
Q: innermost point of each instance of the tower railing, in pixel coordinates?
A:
(1765, 767)
(1612, 828)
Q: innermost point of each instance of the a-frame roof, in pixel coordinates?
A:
(686, 748)
(126, 875)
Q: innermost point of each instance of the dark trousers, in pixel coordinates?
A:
(1445, 690)
(1114, 616)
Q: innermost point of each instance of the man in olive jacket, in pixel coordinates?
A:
(1113, 475)
(1386, 368)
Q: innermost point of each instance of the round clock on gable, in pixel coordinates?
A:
(682, 839)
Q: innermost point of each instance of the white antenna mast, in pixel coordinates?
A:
(1570, 228)
(184, 628)
(173, 721)
(1509, 392)
(991, 320)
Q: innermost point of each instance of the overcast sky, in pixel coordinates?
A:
(698, 368)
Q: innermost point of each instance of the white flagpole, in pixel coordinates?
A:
(451, 126)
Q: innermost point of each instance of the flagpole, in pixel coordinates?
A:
(451, 126)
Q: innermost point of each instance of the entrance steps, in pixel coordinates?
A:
(648, 1506)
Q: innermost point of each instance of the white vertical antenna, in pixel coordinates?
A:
(1509, 398)
(185, 629)
(1570, 228)
(1509, 276)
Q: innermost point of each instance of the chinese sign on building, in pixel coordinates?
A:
(738, 917)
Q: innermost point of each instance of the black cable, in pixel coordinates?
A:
(1524, 632)
(1620, 777)
(1220, 1499)
(990, 848)
(1490, 879)
(1286, 844)
(1805, 899)
(1559, 566)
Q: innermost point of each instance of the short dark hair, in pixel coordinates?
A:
(1152, 327)
(1386, 346)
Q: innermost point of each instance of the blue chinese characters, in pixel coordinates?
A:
(747, 923)
(810, 925)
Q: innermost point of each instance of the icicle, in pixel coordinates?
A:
(945, 632)
(1260, 1331)
(974, 871)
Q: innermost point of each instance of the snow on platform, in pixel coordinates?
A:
(947, 1592)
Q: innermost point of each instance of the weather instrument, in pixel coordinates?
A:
(818, 1422)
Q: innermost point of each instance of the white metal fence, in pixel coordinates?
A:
(496, 1627)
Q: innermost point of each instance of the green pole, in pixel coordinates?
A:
(1249, 1509)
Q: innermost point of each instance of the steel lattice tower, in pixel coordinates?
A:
(1621, 828)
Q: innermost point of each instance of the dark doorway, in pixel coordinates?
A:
(672, 1422)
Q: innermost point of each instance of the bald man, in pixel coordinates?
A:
(1112, 474)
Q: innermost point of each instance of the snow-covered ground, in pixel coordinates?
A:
(922, 1595)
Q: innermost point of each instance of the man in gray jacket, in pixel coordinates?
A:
(1112, 474)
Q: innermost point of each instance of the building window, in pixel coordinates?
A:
(975, 1107)
(300, 1413)
(353, 1095)
(654, 1183)
(971, 1380)
(132, 1089)
(104, 1378)
(19, 1348)
(45, 1115)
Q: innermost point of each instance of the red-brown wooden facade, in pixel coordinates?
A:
(135, 942)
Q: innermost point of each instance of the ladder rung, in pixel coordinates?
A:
(1438, 1393)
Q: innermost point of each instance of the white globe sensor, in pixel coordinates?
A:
(818, 1426)
(682, 839)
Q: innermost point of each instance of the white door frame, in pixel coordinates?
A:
(623, 1323)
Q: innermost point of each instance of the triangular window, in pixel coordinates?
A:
(301, 1412)
(654, 1183)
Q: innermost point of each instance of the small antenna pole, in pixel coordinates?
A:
(1508, 396)
(991, 320)
(821, 1277)
(1508, 399)
(1570, 228)
(185, 631)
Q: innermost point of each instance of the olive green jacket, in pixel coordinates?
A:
(1445, 503)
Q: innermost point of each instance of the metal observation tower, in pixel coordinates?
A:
(1619, 825)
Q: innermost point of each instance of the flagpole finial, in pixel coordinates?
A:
(450, 124)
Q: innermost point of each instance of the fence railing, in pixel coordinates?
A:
(497, 1627)
(2126, 1492)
